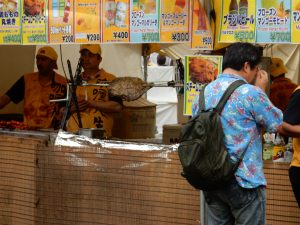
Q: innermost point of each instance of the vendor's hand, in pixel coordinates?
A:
(262, 80)
(83, 104)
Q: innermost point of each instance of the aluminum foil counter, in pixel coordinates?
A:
(61, 178)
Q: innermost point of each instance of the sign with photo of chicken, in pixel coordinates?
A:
(199, 70)
(34, 22)
(10, 22)
(87, 21)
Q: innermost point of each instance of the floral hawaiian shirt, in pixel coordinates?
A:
(249, 110)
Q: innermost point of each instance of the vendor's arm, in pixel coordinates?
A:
(291, 117)
(113, 105)
(14, 94)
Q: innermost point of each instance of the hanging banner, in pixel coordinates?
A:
(238, 21)
(60, 24)
(144, 21)
(202, 37)
(295, 21)
(273, 24)
(115, 21)
(34, 23)
(174, 21)
(199, 70)
(10, 25)
(87, 21)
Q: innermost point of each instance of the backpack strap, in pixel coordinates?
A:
(202, 99)
(227, 94)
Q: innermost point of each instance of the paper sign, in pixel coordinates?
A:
(198, 70)
(273, 21)
(144, 21)
(237, 21)
(10, 22)
(61, 27)
(87, 21)
(295, 21)
(34, 26)
(174, 21)
(115, 20)
(202, 37)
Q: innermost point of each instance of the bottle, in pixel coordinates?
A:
(243, 7)
(288, 153)
(110, 12)
(268, 147)
(67, 11)
(233, 7)
(279, 148)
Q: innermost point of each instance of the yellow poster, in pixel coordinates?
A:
(34, 25)
(295, 22)
(115, 20)
(202, 37)
(10, 26)
(87, 21)
(238, 21)
(60, 21)
(174, 21)
(199, 70)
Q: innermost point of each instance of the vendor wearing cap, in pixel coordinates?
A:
(95, 104)
(36, 89)
(281, 87)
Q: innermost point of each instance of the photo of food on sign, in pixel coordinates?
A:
(8, 5)
(202, 70)
(278, 5)
(147, 6)
(115, 13)
(34, 7)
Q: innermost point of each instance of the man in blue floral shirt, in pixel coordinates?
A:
(247, 111)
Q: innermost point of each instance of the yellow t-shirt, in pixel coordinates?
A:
(93, 118)
(38, 111)
(296, 147)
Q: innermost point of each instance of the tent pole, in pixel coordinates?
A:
(145, 49)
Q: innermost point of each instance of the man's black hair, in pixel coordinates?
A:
(238, 53)
(161, 60)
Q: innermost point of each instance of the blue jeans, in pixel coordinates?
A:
(236, 205)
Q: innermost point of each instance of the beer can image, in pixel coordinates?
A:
(110, 11)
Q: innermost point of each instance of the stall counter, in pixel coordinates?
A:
(76, 180)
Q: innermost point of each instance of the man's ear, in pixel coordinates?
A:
(246, 66)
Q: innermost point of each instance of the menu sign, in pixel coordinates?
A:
(174, 21)
(199, 70)
(144, 21)
(87, 21)
(60, 27)
(115, 21)
(10, 26)
(202, 37)
(273, 21)
(34, 23)
(238, 21)
(295, 21)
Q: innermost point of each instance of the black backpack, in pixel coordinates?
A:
(205, 161)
